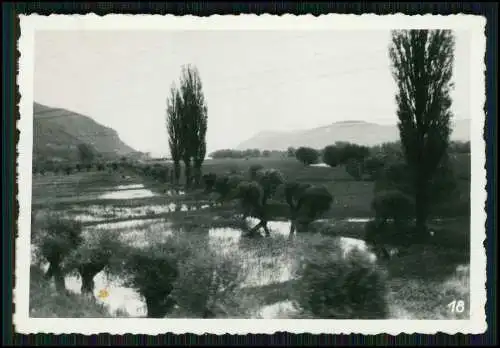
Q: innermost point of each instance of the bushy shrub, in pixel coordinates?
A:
(353, 152)
(307, 155)
(291, 191)
(331, 155)
(443, 185)
(183, 271)
(56, 239)
(393, 205)
(253, 170)
(270, 180)
(227, 183)
(221, 185)
(152, 271)
(312, 202)
(394, 176)
(394, 212)
(373, 166)
(442, 188)
(354, 168)
(459, 147)
(209, 180)
(251, 195)
(98, 252)
(379, 233)
(208, 283)
(337, 286)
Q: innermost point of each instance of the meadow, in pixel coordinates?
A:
(420, 282)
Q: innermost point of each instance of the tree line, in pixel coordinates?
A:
(248, 153)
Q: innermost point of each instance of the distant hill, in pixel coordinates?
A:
(57, 133)
(360, 132)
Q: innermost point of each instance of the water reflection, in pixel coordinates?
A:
(174, 192)
(86, 217)
(350, 244)
(98, 213)
(128, 194)
(276, 227)
(264, 263)
(103, 212)
(358, 219)
(119, 297)
(129, 187)
(278, 310)
(154, 233)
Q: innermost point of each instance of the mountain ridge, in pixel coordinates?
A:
(356, 131)
(57, 132)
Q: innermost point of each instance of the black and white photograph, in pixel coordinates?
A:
(296, 173)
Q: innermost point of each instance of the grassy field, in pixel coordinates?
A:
(351, 198)
(422, 281)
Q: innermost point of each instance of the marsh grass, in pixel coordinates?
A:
(208, 285)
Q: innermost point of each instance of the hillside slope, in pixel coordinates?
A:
(57, 133)
(360, 132)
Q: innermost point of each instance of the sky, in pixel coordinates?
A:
(253, 81)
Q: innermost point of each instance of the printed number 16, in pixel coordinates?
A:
(456, 306)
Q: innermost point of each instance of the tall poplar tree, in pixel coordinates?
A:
(422, 65)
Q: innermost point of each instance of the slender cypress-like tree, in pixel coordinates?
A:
(194, 123)
(422, 64)
(175, 131)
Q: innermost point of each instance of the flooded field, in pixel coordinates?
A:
(143, 216)
(264, 263)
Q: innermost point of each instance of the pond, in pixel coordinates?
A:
(98, 213)
(129, 187)
(128, 192)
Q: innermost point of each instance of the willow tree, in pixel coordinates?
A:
(175, 130)
(194, 122)
(422, 64)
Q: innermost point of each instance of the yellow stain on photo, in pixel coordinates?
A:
(103, 294)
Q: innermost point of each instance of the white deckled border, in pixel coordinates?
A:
(30, 24)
